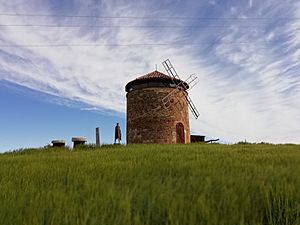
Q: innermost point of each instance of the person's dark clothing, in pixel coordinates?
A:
(118, 135)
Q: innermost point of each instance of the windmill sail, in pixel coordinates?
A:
(192, 80)
(192, 107)
(189, 83)
(172, 99)
(170, 70)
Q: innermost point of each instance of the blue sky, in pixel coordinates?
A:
(67, 61)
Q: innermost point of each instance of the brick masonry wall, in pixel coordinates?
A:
(148, 121)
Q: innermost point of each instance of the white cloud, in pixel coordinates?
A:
(246, 91)
(250, 3)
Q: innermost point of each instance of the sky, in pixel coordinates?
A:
(64, 65)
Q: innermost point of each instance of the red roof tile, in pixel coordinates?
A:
(154, 74)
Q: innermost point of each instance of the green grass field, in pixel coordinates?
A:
(152, 184)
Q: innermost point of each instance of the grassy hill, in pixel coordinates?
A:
(152, 184)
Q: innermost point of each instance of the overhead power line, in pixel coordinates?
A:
(121, 26)
(125, 45)
(144, 17)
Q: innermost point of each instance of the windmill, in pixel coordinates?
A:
(188, 84)
(158, 106)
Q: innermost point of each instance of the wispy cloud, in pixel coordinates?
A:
(250, 3)
(248, 63)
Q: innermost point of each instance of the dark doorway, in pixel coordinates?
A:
(180, 133)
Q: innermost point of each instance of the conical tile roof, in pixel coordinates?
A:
(154, 76)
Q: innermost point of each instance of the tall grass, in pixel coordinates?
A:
(152, 184)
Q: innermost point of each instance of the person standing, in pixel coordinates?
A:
(118, 135)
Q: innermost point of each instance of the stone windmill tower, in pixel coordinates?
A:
(157, 107)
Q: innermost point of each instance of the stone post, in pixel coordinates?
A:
(98, 137)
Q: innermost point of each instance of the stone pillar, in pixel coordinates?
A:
(98, 137)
